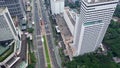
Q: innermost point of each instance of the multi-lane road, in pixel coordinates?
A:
(41, 12)
(49, 36)
(38, 48)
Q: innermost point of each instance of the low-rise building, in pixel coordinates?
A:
(57, 6)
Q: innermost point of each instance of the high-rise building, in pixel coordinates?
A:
(7, 30)
(57, 6)
(15, 7)
(95, 16)
(9, 39)
(89, 26)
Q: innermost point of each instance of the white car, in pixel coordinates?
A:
(33, 22)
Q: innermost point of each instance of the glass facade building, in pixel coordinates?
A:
(15, 7)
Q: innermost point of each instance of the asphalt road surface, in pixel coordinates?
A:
(38, 48)
(48, 32)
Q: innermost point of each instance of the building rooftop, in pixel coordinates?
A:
(4, 45)
(6, 55)
(66, 34)
(68, 10)
(3, 49)
(97, 1)
(71, 19)
(63, 27)
(2, 9)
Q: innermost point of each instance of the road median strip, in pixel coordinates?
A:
(46, 52)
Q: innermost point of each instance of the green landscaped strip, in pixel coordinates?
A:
(32, 58)
(46, 53)
(7, 53)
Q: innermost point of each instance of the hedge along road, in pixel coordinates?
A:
(46, 52)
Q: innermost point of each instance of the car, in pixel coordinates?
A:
(24, 26)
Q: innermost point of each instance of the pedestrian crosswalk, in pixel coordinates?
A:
(41, 35)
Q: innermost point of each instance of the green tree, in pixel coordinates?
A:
(117, 11)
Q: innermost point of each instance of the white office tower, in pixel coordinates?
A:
(57, 6)
(7, 27)
(9, 40)
(95, 16)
